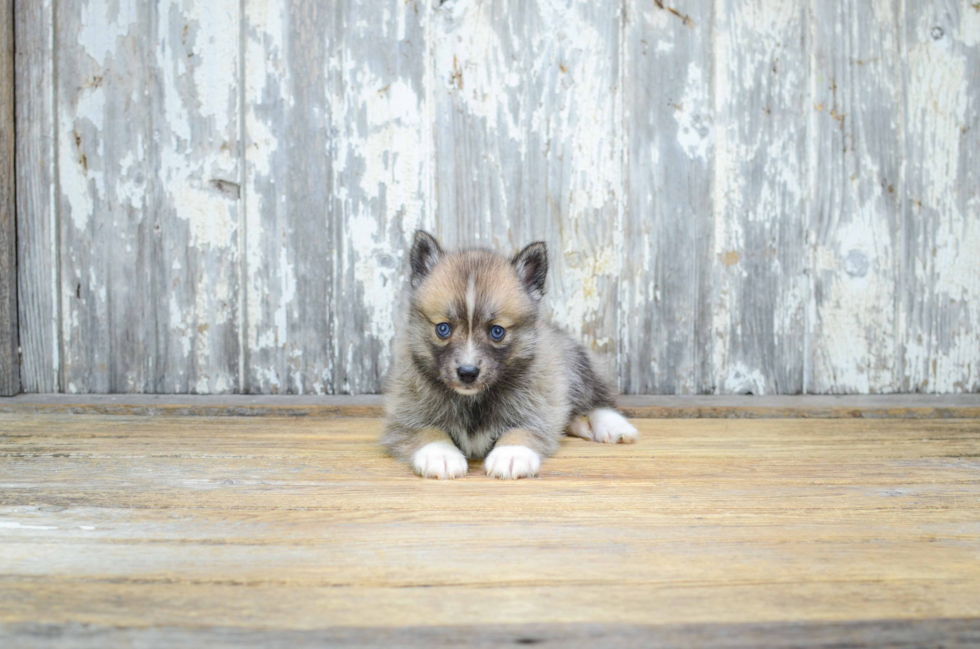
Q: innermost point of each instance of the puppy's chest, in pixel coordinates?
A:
(476, 430)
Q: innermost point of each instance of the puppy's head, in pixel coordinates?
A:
(473, 314)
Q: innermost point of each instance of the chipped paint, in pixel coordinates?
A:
(941, 313)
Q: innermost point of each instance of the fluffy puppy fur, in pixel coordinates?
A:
(480, 373)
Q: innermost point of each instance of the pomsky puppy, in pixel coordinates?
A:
(479, 372)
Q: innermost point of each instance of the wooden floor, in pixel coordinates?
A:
(256, 531)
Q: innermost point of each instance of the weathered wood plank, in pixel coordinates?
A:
(195, 194)
(9, 352)
(147, 155)
(106, 221)
(37, 229)
(172, 525)
(761, 93)
(665, 311)
(290, 228)
(528, 106)
(382, 179)
(857, 184)
(954, 633)
(337, 181)
(940, 298)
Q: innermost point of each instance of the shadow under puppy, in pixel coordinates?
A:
(479, 371)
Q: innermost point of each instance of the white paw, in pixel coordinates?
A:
(512, 462)
(439, 460)
(610, 427)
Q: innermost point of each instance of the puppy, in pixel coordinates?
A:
(479, 372)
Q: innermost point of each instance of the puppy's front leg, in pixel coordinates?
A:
(513, 457)
(430, 451)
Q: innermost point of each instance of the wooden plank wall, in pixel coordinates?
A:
(9, 356)
(765, 196)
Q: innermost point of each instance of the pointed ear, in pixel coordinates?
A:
(531, 265)
(424, 257)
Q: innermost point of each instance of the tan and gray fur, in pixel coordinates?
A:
(531, 387)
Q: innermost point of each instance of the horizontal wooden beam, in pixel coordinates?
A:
(899, 406)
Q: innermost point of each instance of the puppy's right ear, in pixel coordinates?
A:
(425, 255)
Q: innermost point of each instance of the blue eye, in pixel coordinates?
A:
(497, 333)
(443, 330)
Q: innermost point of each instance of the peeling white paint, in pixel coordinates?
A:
(102, 24)
(693, 116)
(740, 379)
(942, 353)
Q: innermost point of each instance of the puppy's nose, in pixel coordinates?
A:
(468, 373)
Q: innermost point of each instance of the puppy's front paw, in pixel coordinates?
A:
(512, 462)
(610, 427)
(439, 460)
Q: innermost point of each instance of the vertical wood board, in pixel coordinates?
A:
(665, 328)
(759, 284)
(857, 184)
(940, 281)
(147, 130)
(37, 229)
(9, 352)
(336, 184)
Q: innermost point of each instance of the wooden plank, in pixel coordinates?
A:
(665, 321)
(857, 181)
(105, 239)
(761, 93)
(148, 178)
(37, 229)
(527, 102)
(888, 634)
(169, 527)
(382, 181)
(918, 406)
(195, 195)
(940, 299)
(9, 352)
(337, 181)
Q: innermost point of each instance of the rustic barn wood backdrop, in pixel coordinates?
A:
(767, 196)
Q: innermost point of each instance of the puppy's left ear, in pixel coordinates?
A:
(531, 265)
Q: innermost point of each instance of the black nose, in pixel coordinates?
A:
(468, 373)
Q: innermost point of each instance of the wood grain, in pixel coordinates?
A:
(858, 116)
(888, 634)
(37, 213)
(178, 527)
(336, 183)
(941, 228)
(665, 307)
(147, 171)
(9, 352)
(759, 285)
